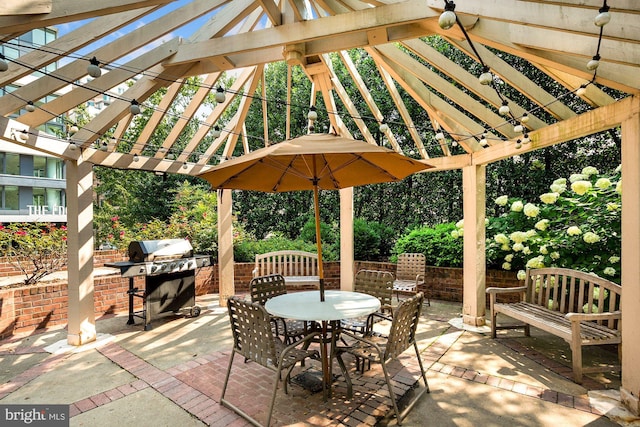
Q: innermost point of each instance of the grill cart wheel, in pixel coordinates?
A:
(195, 311)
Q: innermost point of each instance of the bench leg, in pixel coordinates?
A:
(527, 330)
(576, 352)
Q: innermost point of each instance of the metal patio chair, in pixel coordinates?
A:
(410, 274)
(253, 338)
(378, 284)
(381, 350)
(265, 287)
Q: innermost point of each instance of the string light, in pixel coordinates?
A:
(220, 96)
(312, 115)
(384, 127)
(216, 131)
(134, 108)
(94, 68)
(504, 108)
(594, 63)
(603, 17)
(486, 77)
(4, 66)
(448, 17)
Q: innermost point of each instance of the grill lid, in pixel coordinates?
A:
(149, 250)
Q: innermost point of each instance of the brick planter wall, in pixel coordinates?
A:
(26, 309)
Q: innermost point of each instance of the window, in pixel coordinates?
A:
(39, 166)
(10, 163)
(39, 198)
(9, 197)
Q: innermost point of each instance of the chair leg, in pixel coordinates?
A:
(226, 379)
(345, 374)
(392, 395)
(273, 396)
(424, 376)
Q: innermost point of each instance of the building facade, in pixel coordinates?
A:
(32, 184)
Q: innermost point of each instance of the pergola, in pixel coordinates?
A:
(243, 36)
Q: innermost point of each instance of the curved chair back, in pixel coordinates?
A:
(252, 333)
(403, 327)
(266, 287)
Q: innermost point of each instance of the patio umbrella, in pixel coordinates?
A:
(313, 162)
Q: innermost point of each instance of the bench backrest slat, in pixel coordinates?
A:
(571, 291)
(287, 263)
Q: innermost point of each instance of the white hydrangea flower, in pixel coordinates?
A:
(501, 238)
(554, 255)
(536, 262)
(613, 259)
(517, 206)
(531, 210)
(460, 223)
(455, 234)
(619, 168)
(609, 271)
(581, 187)
(460, 232)
(578, 177)
(531, 233)
(508, 257)
(574, 231)
(517, 247)
(505, 247)
(544, 250)
(506, 266)
(558, 188)
(542, 224)
(549, 198)
(518, 236)
(502, 200)
(619, 187)
(521, 275)
(603, 183)
(526, 250)
(591, 237)
(613, 207)
(590, 170)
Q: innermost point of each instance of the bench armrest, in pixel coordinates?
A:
(579, 317)
(516, 289)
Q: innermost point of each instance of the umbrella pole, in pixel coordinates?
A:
(316, 204)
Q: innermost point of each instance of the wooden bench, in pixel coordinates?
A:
(581, 308)
(299, 268)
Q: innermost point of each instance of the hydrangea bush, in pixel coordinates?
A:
(574, 225)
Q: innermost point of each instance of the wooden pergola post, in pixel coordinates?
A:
(82, 322)
(225, 247)
(630, 304)
(474, 204)
(346, 239)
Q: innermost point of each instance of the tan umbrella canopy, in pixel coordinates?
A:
(313, 162)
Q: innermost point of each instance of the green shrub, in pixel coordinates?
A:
(438, 245)
(372, 241)
(246, 250)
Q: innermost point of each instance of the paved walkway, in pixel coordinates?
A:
(173, 375)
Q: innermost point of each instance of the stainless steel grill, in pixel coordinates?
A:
(169, 267)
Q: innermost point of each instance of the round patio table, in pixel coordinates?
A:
(337, 305)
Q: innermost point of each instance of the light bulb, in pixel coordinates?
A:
(439, 136)
(220, 96)
(22, 135)
(518, 128)
(135, 157)
(103, 147)
(171, 156)
(73, 129)
(594, 63)
(518, 143)
(216, 131)
(483, 140)
(313, 114)
(504, 109)
(184, 166)
(603, 17)
(135, 108)
(526, 139)
(486, 77)
(448, 17)
(454, 143)
(30, 107)
(4, 66)
(384, 127)
(73, 146)
(94, 68)
(524, 118)
(581, 90)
